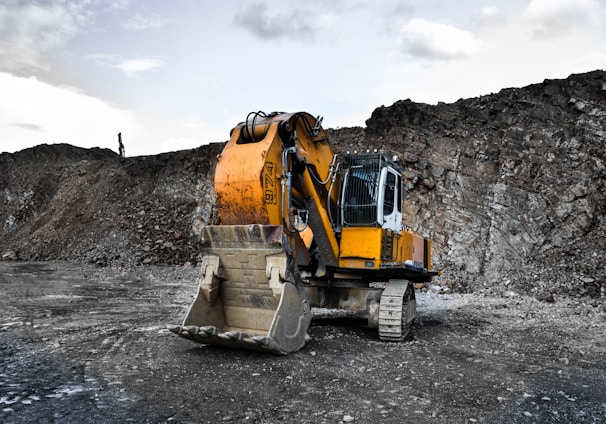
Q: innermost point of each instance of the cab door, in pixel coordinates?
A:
(390, 201)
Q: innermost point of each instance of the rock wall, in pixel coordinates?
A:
(509, 185)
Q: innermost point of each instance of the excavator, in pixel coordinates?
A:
(301, 229)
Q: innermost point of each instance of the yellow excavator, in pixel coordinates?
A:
(301, 229)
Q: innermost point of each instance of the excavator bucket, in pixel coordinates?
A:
(248, 296)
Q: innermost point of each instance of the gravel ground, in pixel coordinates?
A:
(85, 344)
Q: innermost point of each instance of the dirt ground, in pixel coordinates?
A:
(85, 344)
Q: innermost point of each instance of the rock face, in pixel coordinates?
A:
(509, 186)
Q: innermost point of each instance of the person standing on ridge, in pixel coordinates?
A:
(121, 146)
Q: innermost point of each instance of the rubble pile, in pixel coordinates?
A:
(63, 202)
(511, 188)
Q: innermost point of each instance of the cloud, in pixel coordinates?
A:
(42, 113)
(487, 16)
(133, 67)
(509, 54)
(554, 19)
(28, 126)
(29, 30)
(257, 20)
(435, 41)
(138, 22)
(194, 122)
(489, 12)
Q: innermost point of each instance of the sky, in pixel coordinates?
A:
(174, 75)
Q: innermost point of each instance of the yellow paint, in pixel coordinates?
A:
(248, 187)
(361, 242)
(362, 245)
(307, 236)
(358, 263)
(249, 176)
(246, 181)
(404, 246)
(322, 213)
(411, 247)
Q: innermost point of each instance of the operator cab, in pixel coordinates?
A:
(371, 192)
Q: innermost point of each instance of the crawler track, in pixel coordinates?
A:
(397, 311)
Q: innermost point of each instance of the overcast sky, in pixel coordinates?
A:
(172, 75)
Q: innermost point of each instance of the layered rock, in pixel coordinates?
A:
(508, 184)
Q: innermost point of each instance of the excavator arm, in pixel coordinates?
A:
(277, 169)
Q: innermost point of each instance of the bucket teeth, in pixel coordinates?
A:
(209, 330)
(174, 328)
(267, 343)
(208, 333)
(191, 330)
(236, 335)
(262, 340)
